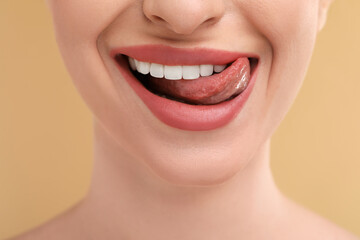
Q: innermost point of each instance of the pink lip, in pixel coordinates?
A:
(176, 114)
(179, 56)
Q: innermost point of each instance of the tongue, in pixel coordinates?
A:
(206, 90)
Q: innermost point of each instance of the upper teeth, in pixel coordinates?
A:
(174, 72)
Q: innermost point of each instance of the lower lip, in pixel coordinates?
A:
(184, 116)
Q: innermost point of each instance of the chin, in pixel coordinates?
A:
(197, 167)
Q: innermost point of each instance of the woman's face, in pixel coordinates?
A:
(182, 143)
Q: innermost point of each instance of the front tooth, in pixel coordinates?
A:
(173, 72)
(219, 68)
(143, 67)
(132, 63)
(190, 72)
(206, 70)
(157, 70)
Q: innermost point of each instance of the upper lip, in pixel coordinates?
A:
(167, 55)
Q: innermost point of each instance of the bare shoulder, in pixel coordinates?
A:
(41, 232)
(299, 224)
(305, 224)
(57, 228)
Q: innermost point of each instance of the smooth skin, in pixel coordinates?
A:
(155, 182)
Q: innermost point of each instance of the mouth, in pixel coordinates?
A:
(202, 84)
(192, 83)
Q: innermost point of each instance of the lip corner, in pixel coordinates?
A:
(184, 116)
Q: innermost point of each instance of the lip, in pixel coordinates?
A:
(179, 56)
(177, 114)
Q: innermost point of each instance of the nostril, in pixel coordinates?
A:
(210, 21)
(180, 16)
(158, 19)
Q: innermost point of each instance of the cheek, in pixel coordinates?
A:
(78, 25)
(286, 24)
(292, 36)
(84, 20)
(290, 28)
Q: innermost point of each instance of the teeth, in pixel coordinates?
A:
(175, 72)
(206, 70)
(190, 72)
(136, 63)
(157, 70)
(219, 68)
(143, 67)
(132, 64)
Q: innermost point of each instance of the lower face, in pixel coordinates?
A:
(155, 109)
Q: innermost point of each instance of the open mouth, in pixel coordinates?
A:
(204, 84)
(193, 89)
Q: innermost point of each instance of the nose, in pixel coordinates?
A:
(183, 16)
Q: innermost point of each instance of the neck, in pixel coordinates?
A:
(129, 200)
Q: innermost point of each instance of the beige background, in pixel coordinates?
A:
(46, 135)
